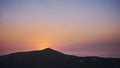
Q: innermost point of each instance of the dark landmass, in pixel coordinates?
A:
(49, 58)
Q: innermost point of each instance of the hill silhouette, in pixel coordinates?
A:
(49, 58)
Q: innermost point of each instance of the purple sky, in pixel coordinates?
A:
(78, 27)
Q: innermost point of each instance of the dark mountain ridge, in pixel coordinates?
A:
(49, 58)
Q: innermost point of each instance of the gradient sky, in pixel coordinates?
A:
(78, 27)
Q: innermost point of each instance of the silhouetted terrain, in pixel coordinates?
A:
(49, 58)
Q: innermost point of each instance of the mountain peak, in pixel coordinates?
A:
(46, 51)
(49, 50)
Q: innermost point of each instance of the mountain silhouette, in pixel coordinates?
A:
(49, 58)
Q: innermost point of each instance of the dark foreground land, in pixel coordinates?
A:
(49, 58)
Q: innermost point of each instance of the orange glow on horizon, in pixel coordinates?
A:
(36, 25)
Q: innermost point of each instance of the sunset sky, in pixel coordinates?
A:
(77, 27)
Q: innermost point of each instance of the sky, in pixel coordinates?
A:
(77, 27)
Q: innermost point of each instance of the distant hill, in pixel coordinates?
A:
(49, 58)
